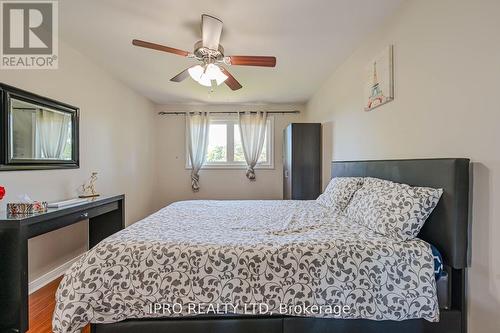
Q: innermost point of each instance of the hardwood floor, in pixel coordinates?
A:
(41, 307)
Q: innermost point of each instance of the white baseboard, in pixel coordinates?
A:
(50, 276)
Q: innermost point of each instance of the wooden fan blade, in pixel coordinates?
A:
(253, 61)
(181, 76)
(211, 29)
(230, 81)
(158, 47)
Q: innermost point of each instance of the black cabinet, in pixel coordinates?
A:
(302, 161)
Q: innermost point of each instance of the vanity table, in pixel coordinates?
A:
(105, 215)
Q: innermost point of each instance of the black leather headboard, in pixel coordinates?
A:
(448, 226)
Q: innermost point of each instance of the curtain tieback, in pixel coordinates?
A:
(250, 173)
(195, 182)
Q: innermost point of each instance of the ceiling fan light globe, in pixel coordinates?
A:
(214, 73)
(205, 75)
(196, 72)
(220, 80)
(205, 81)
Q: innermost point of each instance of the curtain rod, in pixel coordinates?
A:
(163, 113)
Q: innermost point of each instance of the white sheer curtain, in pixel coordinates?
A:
(53, 129)
(197, 126)
(253, 133)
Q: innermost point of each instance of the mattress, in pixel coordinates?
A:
(293, 258)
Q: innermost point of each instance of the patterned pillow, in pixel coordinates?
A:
(339, 192)
(395, 210)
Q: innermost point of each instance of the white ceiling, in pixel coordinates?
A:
(310, 38)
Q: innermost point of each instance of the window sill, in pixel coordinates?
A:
(233, 167)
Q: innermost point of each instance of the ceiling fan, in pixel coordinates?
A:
(210, 53)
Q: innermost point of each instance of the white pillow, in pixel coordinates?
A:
(392, 209)
(339, 192)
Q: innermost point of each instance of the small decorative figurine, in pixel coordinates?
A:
(88, 189)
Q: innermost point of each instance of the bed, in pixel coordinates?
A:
(272, 253)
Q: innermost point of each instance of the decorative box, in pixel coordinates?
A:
(27, 208)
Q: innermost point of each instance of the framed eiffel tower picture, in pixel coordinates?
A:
(379, 85)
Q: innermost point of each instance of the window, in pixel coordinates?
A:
(225, 149)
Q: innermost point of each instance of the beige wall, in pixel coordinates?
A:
(116, 140)
(174, 182)
(447, 83)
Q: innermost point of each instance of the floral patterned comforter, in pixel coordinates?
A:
(284, 257)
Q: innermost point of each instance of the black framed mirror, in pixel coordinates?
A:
(36, 132)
